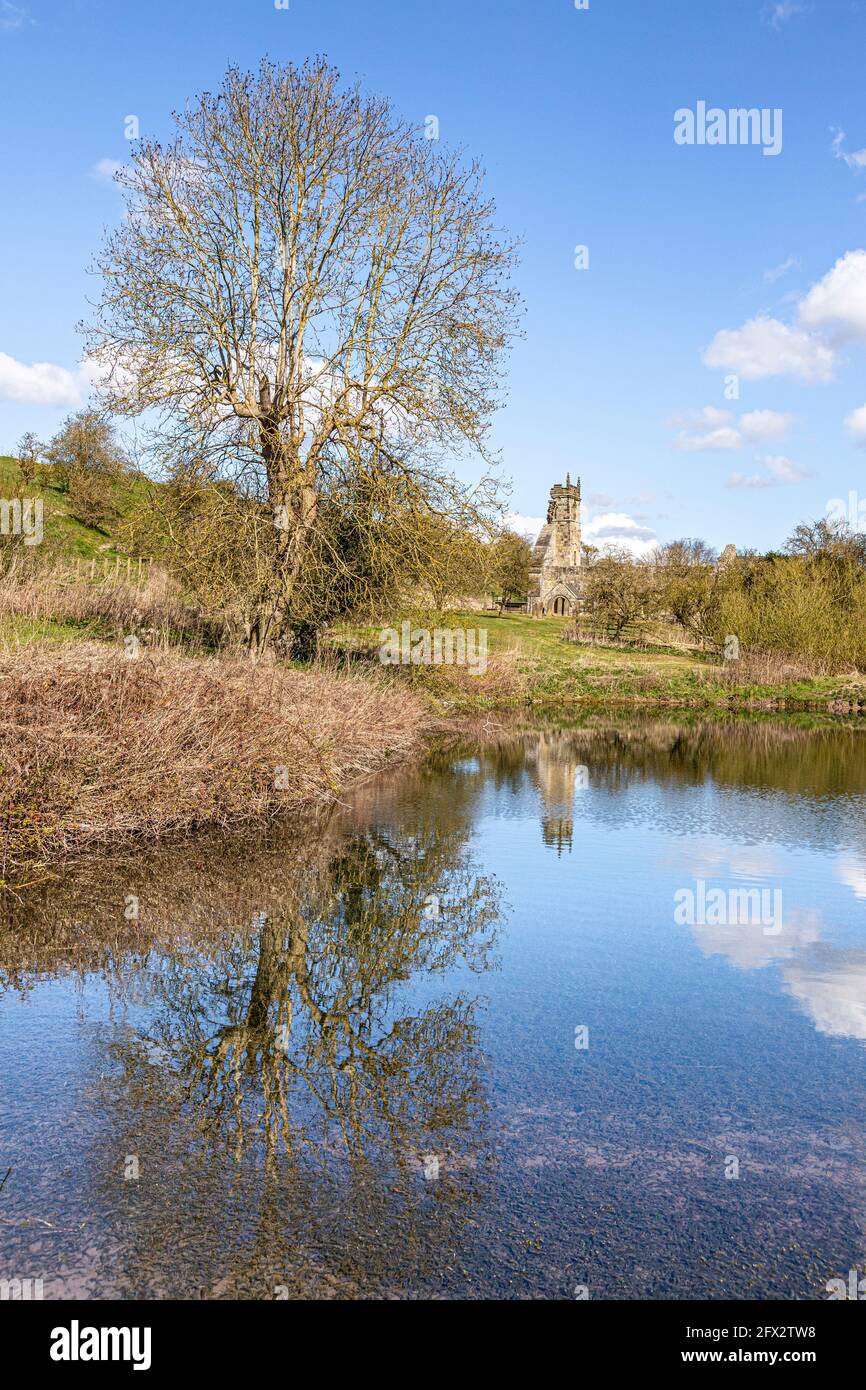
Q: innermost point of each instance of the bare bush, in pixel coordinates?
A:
(95, 747)
(154, 612)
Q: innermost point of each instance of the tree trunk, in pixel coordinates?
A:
(294, 502)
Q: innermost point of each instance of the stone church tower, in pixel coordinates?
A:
(554, 571)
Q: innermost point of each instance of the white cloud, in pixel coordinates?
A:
(617, 529)
(759, 480)
(724, 432)
(779, 471)
(765, 347)
(709, 428)
(748, 947)
(13, 16)
(44, 383)
(831, 314)
(832, 990)
(855, 159)
(707, 857)
(778, 12)
(620, 530)
(765, 424)
(783, 470)
(838, 301)
(41, 383)
(712, 415)
(104, 170)
(777, 271)
(855, 424)
(723, 438)
(528, 526)
(852, 872)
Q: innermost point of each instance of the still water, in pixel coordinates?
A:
(463, 1036)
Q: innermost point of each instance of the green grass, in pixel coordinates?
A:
(21, 631)
(552, 671)
(559, 670)
(65, 535)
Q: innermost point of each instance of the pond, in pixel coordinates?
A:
(562, 1012)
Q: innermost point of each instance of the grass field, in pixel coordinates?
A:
(530, 662)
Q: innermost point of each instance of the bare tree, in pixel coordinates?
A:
(689, 583)
(306, 291)
(87, 462)
(827, 536)
(618, 591)
(29, 449)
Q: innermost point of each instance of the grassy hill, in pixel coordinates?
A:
(65, 536)
(43, 603)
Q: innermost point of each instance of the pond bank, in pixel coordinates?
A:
(98, 749)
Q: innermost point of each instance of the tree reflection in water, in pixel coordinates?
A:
(306, 997)
(291, 1033)
(285, 1055)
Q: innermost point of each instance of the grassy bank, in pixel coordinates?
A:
(99, 749)
(96, 748)
(531, 663)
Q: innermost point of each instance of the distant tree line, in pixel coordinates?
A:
(807, 601)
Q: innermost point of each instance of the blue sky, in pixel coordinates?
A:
(705, 261)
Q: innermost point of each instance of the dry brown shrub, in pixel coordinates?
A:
(96, 747)
(155, 609)
(501, 679)
(767, 668)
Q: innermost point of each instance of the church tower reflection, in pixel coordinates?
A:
(554, 766)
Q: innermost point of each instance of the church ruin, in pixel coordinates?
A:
(554, 570)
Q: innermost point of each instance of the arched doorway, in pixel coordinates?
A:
(559, 606)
